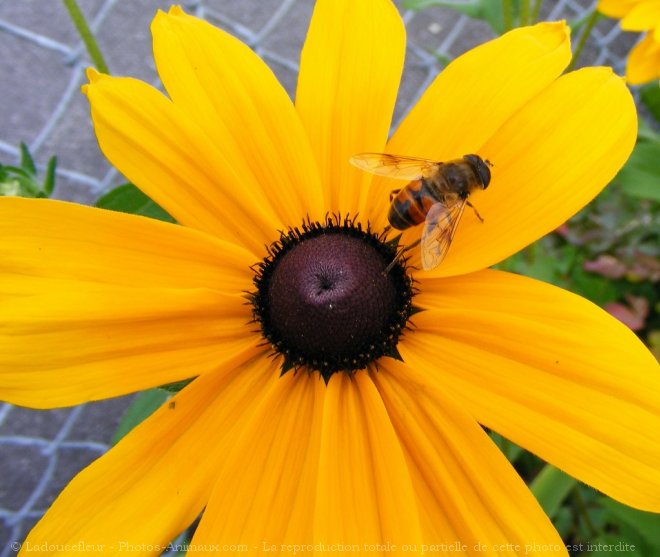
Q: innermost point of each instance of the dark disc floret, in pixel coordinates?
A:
(326, 300)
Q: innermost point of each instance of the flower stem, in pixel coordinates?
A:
(507, 15)
(86, 35)
(524, 12)
(591, 21)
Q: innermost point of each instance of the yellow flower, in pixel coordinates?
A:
(98, 304)
(638, 15)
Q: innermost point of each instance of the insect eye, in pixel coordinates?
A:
(485, 177)
(480, 168)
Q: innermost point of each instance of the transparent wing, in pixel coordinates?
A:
(439, 229)
(393, 166)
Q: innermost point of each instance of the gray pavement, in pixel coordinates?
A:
(42, 65)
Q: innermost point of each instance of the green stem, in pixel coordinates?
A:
(86, 35)
(550, 487)
(524, 12)
(505, 446)
(507, 15)
(536, 10)
(584, 512)
(593, 18)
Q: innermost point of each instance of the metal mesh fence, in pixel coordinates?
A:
(42, 64)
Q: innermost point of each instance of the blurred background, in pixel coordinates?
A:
(606, 253)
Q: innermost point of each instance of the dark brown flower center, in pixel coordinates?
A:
(324, 300)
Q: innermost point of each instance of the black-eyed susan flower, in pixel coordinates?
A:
(643, 63)
(363, 431)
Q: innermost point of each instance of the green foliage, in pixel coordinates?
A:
(650, 95)
(640, 177)
(128, 199)
(511, 451)
(551, 487)
(490, 11)
(144, 404)
(177, 386)
(637, 527)
(589, 522)
(603, 527)
(23, 180)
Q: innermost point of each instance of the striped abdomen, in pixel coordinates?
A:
(410, 206)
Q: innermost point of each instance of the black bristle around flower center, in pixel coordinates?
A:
(324, 301)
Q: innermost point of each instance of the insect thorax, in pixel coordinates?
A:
(452, 182)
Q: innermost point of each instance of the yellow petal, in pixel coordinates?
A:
(364, 493)
(349, 74)
(548, 370)
(74, 342)
(159, 148)
(154, 483)
(230, 93)
(550, 159)
(97, 304)
(643, 16)
(46, 240)
(467, 491)
(475, 95)
(617, 8)
(264, 490)
(480, 90)
(644, 61)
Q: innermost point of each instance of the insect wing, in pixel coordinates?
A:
(393, 166)
(439, 229)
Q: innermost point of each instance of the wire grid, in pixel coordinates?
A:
(41, 451)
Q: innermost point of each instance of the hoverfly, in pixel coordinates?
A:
(436, 195)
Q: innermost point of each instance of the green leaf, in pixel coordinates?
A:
(607, 545)
(511, 451)
(49, 180)
(10, 188)
(25, 177)
(543, 268)
(129, 199)
(646, 525)
(472, 8)
(18, 171)
(646, 132)
(143, 405)
(568, 257)
(18, 182)
(563, 521)
(27, 162)
(489, 11)
(177, 386)
(650, 95)
(596, 288)
(640, 177)
(550, 487)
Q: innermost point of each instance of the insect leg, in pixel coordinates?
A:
(411, 246)
(475, 211)
(393, 194)
(400, 255)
